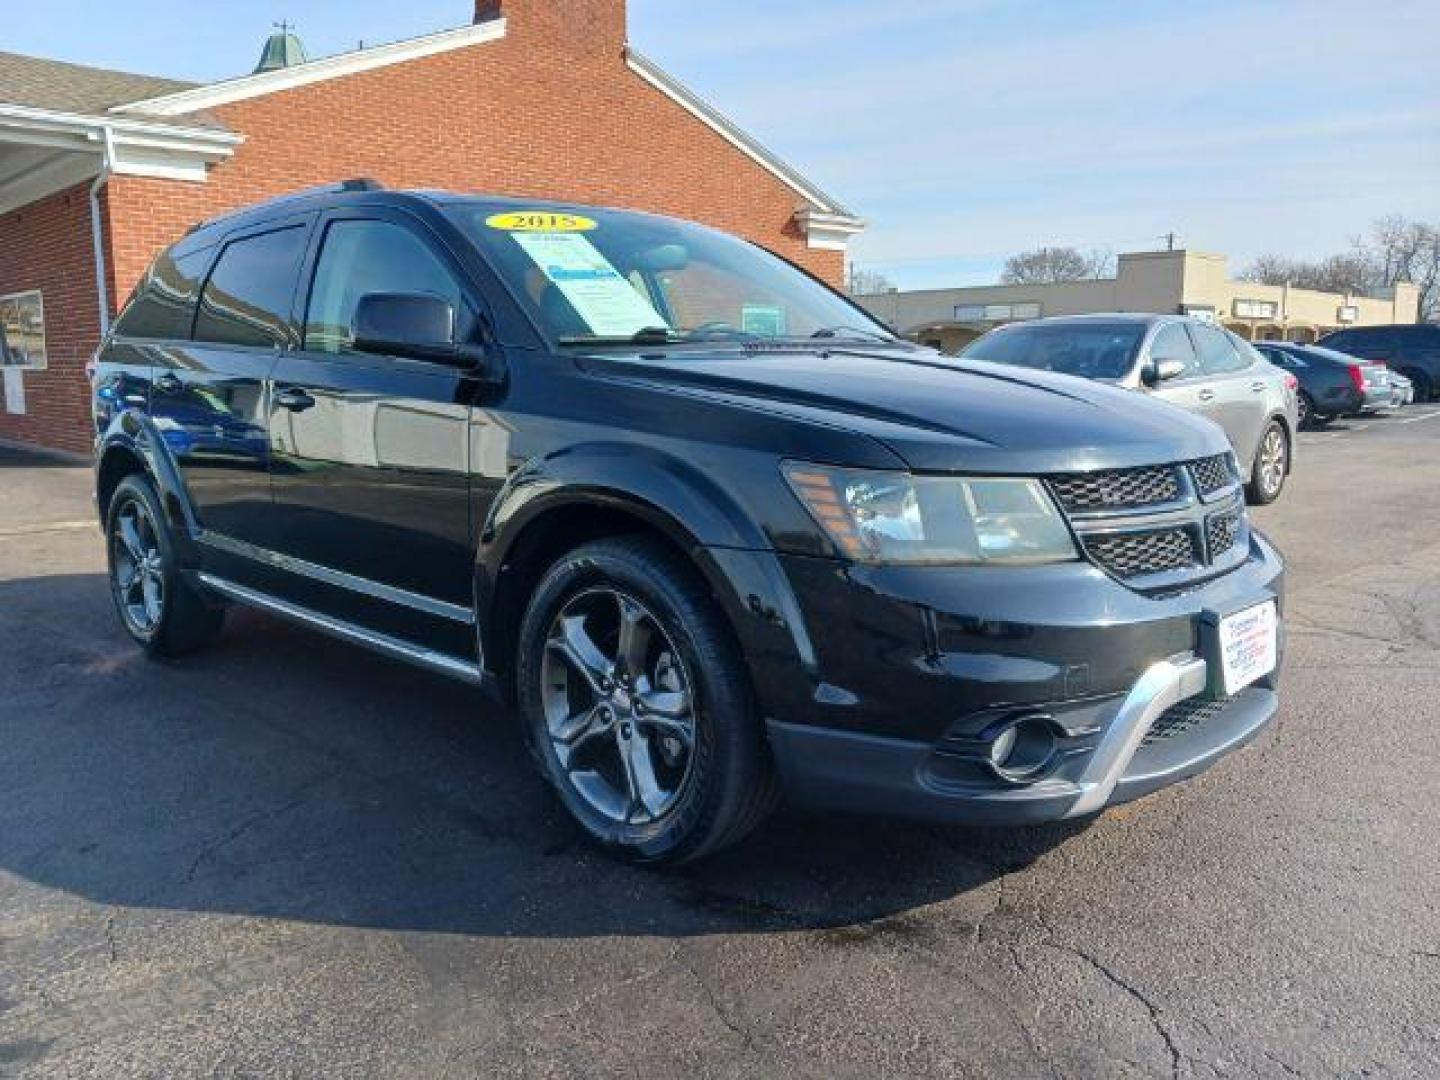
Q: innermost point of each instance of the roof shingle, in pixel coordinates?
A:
(73, 88)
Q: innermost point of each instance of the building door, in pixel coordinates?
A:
(369, 452)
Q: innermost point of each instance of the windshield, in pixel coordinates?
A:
(1092, 350)
(607, 276)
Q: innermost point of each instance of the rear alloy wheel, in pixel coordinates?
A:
(637, 706)
(1272, 464)
(164, 615)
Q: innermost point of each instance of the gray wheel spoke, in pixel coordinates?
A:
(645, 792)
(670, 704)
(151, 590)
(581, 653)
(130, 537)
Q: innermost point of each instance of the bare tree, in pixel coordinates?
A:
(1396, 249)
(1047, 265)
(862, 282)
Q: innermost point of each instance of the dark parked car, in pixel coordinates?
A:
(1412, 350)
(714, 531)
(1331, 383)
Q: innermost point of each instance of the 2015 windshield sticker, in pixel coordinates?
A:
(600, 295)
(540, 221)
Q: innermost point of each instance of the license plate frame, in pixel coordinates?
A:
(1242, 646)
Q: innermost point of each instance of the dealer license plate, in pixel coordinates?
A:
(1249, 645)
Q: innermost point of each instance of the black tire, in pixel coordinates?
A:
(1308, 419)
(729, 784)
(1423, 390)
(1266, 480)
(186, 622)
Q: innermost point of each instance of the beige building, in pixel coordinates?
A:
(1186, 282)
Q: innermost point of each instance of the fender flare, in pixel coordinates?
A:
(666, 493)
(133, 433)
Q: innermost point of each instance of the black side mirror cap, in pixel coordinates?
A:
(405, 324)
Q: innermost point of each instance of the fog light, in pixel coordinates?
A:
(1002, 746)
(1023, 749)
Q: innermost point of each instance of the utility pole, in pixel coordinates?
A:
(1169, 239)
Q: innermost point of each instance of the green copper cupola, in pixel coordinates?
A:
(283, 49)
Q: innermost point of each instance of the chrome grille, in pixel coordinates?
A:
(1128, 555)
(1116, 488)
(1184, 716)
(1212, 474)
(1221, 533)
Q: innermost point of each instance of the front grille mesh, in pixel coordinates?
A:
(1129, 555)
(1221, 533)
(1184, 716)
(1212, 474)
(1116, 488)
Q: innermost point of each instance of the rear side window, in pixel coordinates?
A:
(164, 301)
(1217, 354)
(247, 299)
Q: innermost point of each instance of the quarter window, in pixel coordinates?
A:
(361, 257)
(165, 300)
(247, 299)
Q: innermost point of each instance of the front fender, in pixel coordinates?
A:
(675, 499)
(133, 434)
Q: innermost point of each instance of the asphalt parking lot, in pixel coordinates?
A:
(291, 858)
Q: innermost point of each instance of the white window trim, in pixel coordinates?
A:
(330, 67)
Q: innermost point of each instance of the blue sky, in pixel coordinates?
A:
(965, 130)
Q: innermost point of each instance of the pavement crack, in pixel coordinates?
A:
(746, 1036)
(1157, 1020)
(298, 798)
(111, 942)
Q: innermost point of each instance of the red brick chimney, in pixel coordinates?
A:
(575, 25)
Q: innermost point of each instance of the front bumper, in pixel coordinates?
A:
(908, 669)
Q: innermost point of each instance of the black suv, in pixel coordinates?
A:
(1411, 349)
(714, 532)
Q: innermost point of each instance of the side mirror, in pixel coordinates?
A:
(1162, 370)
(406, 324)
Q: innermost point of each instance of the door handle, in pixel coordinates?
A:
(1207, 395)
(294, 399)
(169, 383)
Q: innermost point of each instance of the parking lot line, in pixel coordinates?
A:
(1423, 416)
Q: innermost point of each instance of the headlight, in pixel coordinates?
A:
(894, 517)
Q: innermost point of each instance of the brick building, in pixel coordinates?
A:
(544, 98)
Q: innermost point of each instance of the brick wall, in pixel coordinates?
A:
(545, 112)
(550, 111)
(47, 246)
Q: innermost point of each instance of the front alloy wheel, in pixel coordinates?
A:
(637, 703)
(619, 710)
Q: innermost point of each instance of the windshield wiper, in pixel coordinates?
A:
(856, 333)
(651, 335)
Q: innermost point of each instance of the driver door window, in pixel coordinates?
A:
(1173, 343)
(364, 256)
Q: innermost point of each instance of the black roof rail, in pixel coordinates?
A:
(338, 187)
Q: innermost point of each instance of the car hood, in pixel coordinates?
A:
(935, 413)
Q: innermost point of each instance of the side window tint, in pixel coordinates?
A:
(1217, 354)
(247, 299)
(1173, 343)
(361, 257)
(164, 301)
